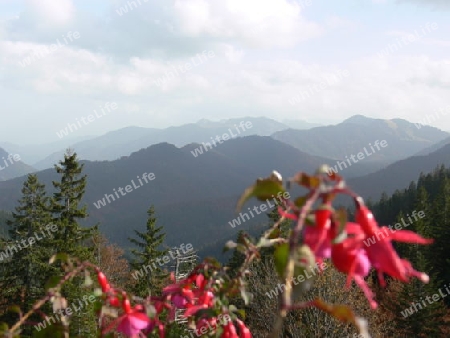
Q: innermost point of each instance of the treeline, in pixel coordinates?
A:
(421, 309)
(42, 226)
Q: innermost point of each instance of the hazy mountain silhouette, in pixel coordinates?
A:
(351, 136)
(10, 168)
(124, 141)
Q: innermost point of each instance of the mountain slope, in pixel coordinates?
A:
(123, 142)
(399, 174)
(434, 147)
(11, 166)
(194, 197)
(358, 132)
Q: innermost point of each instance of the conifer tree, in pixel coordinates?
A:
(440, 231)
(71, 238)
(416, 314)
(26, 252)
(148, 254)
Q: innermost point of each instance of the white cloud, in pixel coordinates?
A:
(58, 12)
(232, 54)
(256, 23)
(266, 52)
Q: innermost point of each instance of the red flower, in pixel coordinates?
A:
(355, 263)
(244, 332)
(382, 254)
(355, 258)
(229, 331)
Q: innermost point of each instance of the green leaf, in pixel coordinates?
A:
(281, 256)
(232, 308)
(14, 308)
(263, 190)
(61, 256)
(3, 327)
(241, 312)
(52, 282)
(274, 233)
(300, 201)
(310, 182)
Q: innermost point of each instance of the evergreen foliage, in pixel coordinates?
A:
(27, 249)
(71, 238)
(148, 253)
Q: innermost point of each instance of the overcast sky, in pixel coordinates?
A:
(317, 60)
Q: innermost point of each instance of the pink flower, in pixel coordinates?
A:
(382, 254)
(133, 323)
(355, 263)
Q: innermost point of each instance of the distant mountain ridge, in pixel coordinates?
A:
(300, 124)
(434, 147)
(399, 174)
(354, 134)
(32, 153)
(123, 142)
(11, 166)
(194, 197)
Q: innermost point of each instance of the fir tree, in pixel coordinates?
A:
(26, 269)
(425, 318)
(71, 238)
(148, 254)
(440, 231)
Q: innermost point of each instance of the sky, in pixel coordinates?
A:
(161, 63)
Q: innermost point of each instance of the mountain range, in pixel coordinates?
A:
(335, 141)
(195, 196)
(352, 135)
(124, 141)
(12, 166)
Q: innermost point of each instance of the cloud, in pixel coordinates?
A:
(254, 23)
(266, 52)
(436, 4)
(53, 12)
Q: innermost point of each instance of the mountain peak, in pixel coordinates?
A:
(359, 119)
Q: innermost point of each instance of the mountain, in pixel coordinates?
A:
(194, 197)
(359, 134)
(32, 153)
(434, 147)
(11, 166)
(300, 124)
(124, 141)
(399, 174)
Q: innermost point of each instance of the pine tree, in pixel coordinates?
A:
(428, 317)
(440, 231)
(71, 238)
(148, 254)
(26, 270)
